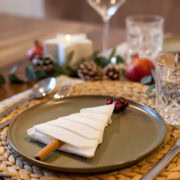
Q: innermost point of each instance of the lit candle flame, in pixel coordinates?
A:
(65, 38)
(113, 1)
(68, 37)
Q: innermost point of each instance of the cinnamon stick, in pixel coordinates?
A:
(43, 153)
(176, 59)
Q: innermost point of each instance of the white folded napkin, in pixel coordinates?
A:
(81, 132)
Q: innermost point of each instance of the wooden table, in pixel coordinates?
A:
(17, 35)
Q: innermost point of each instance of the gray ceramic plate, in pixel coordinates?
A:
(134, 133)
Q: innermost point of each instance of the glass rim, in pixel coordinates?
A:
(145, 19)
(163, 65)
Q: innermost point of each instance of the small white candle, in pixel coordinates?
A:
(63, 44)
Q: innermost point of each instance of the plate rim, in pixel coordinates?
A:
(100, 168)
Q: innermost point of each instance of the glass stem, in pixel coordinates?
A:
(106, 34)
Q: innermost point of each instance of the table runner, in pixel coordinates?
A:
(13, 166)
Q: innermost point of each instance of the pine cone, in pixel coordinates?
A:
(89, 71)
(43, 64)
(36, 63)
(48, 65)
(111, 72)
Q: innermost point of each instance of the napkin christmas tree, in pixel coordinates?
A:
(81, 132)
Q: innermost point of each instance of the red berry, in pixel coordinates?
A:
(117, 105)
(120, 103)
(109, 101)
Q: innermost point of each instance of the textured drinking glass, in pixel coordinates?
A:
(144, 35)
(167, 69)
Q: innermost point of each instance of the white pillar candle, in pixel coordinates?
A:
(63, 44)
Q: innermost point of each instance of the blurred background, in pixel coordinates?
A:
(79, 10)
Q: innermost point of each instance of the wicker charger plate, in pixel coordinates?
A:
(12, 166)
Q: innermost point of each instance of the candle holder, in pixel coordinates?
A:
(63, 44)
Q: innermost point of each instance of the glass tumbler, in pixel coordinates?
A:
(167, 68)
(144, 36)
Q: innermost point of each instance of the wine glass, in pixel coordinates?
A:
(106, 9)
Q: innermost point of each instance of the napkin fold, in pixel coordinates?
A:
(81, 132)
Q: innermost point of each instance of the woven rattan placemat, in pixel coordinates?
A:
(12, 166)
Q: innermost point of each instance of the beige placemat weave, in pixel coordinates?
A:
(12, 166)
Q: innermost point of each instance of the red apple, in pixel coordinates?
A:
(139, 68)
